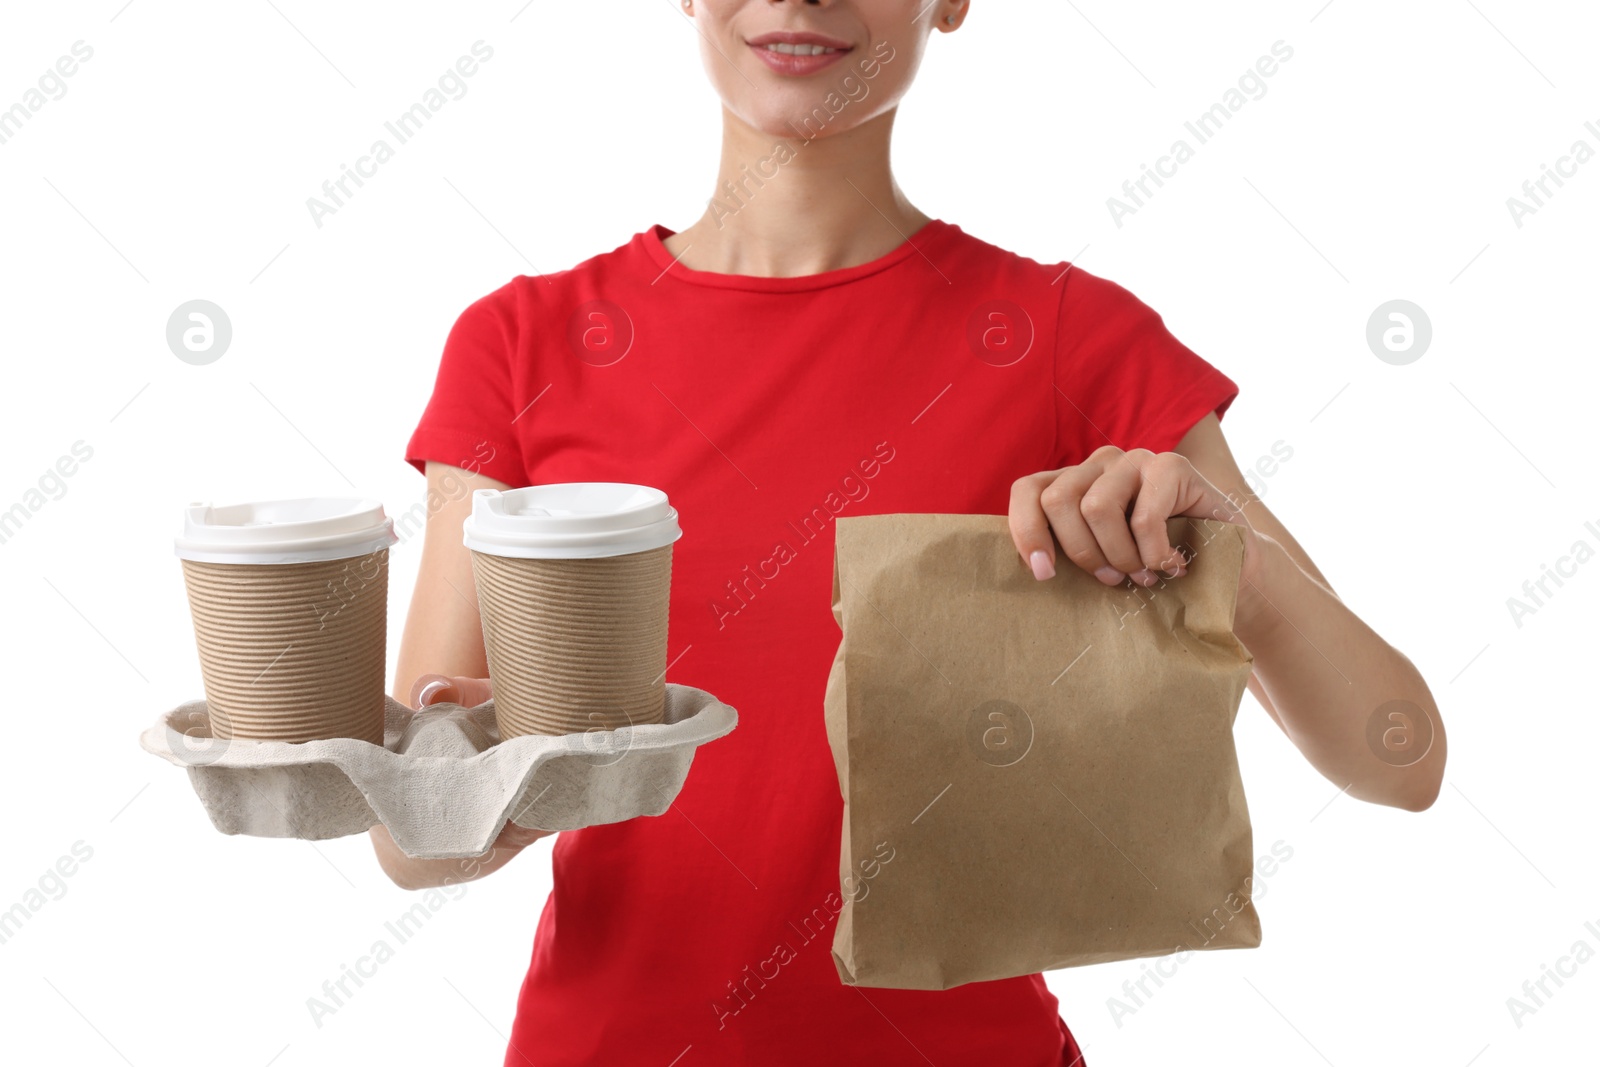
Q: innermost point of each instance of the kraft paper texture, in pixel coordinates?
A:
(1035, 774)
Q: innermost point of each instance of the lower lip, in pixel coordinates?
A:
(784, 63)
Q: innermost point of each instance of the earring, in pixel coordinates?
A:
(951, 19)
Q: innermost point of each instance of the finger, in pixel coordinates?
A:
(450, 689)
(427, 689)
(515, 835)
(1030, 530)
(1164, 491)
(1105, 506)
(1061, 504)
(1177, 489)
(1209, 502)
(470, 692)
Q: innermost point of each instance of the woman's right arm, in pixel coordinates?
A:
(443, 637)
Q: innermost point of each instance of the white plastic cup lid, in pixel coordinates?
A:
(570, 520)
(308, 530)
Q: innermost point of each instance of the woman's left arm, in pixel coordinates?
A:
(1353, 704)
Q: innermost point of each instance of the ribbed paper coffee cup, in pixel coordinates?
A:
(575, 644)
(574, 582)
(290, 607)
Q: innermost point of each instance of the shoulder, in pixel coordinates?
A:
(1070, 282)
(969, 251)
(1085, 302)
(533, 297)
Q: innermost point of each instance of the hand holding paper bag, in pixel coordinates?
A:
(1051, 762)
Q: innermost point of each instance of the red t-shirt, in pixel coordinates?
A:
(924, 381)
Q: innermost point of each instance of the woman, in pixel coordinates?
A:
(815, 345)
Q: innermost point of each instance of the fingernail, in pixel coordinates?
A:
(431, 690)
(1110, 575)
(1144, 577)
(1042, 567)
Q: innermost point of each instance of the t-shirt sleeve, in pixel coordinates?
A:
(1122, 378)
(468, 422)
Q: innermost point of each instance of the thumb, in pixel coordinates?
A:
(470, 692)
(1189, 495)
(449, 689)
(1206, 501)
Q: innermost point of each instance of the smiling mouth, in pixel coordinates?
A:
(787, 49)
(799, 54)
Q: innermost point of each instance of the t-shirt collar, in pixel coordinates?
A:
(920, 243)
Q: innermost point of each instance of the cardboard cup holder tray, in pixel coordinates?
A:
(443, 783)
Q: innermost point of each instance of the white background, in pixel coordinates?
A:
(1378, 165)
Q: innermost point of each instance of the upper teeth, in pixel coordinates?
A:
(799, 49)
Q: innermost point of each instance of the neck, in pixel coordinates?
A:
(790, 207)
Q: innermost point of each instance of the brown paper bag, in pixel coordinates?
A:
(1035, 774)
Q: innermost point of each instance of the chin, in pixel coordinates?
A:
(787, 124)
(798, 116)
(842, 97)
